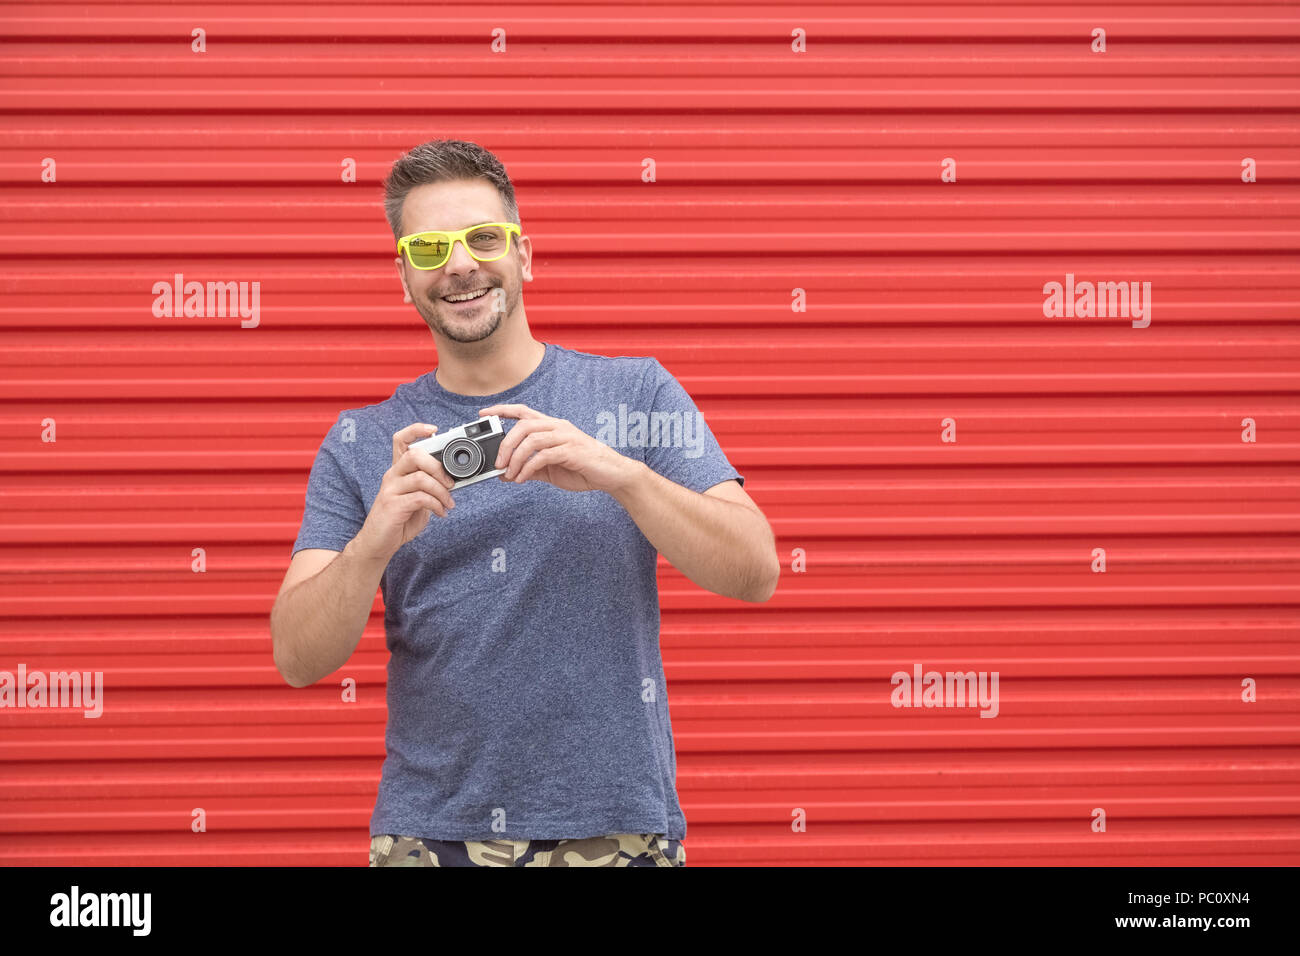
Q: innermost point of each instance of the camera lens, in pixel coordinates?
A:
(462, 458)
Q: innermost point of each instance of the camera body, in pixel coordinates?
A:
(468, 452)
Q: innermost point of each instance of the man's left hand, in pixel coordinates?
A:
(558, 452)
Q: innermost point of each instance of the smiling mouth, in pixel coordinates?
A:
(462, 297)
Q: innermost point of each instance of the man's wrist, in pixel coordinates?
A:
(356, 550)
(630, 477)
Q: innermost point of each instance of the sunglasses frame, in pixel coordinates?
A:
(404, 244)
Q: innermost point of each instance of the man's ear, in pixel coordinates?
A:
(526, 245)
(406, 293)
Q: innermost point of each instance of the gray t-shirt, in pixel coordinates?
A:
(526, 695)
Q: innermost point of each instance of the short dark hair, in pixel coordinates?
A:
(440, 160)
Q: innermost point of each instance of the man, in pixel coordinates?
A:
(527, 709)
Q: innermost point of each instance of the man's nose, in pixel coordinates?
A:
(460, 261)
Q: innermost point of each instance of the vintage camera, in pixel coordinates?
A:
(468, 452)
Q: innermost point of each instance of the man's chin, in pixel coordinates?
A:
(465, 332)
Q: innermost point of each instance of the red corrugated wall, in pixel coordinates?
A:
(952, 463)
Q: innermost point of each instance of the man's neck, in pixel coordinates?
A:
(476, 369)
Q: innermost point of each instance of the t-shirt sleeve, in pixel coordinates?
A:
(333, 512)
(680, 444)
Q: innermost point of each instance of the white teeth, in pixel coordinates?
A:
(466, 297)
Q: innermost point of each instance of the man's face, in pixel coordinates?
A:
(456, 205)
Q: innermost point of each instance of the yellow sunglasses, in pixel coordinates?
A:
(486, 242)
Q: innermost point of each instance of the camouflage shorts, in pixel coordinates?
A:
(621, 849)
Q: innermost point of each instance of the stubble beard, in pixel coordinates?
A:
(456, 329)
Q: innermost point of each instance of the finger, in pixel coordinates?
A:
(561, 428)
(417, 459)
(423, 481)
(530, 445)
(543, 459)
(413, 501)
(403, 439)
(510, 411)
(514, 437)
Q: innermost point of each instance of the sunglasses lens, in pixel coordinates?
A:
(428, 251)
(487, 242)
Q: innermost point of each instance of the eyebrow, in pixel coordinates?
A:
(469, 225)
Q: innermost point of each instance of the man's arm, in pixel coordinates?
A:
(719, 539)
(325, 600)
(321, 611)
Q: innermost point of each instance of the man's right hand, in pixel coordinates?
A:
(415, 486)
